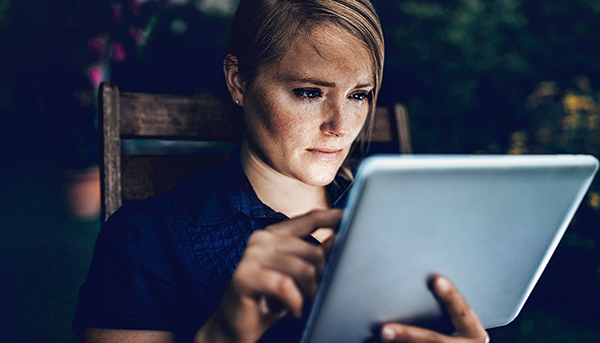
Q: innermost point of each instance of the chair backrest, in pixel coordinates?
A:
(151, 141)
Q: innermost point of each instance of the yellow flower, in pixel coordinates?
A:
(586, 103)
(519, 137)
(592, 121)
(571, 122)
(573, 103)
(547, 88)
(594, 200)
(570, 102)
(517, 150)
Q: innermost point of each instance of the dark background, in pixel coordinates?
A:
(504, 76)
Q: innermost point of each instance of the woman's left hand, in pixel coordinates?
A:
(465, 321)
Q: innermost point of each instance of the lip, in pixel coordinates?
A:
(327, 155)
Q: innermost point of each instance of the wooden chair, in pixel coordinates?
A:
(151, 141)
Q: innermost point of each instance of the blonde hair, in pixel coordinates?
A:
(262, 31)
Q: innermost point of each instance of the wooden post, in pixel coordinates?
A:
(110, 124)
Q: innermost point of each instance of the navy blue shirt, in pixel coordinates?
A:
(164, 263)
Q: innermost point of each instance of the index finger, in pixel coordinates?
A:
(463, 318)
(304, 225)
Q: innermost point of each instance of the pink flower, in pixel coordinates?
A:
(96, 74)
(97, 45)
(119, 53)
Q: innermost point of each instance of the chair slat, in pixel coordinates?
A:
(190, 117)
(110, 146)
(403, 127)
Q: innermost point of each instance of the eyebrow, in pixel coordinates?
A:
(323, 83)
(314, 82)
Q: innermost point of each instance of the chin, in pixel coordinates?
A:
(319, 177)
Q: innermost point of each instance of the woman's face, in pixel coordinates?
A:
(303, 112)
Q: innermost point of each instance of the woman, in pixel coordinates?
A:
(217, 259)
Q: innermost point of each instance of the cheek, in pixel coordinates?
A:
(270, 117)
(358, 120)
(287, 123)
(258, 112)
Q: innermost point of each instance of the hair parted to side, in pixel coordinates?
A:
(262, 31)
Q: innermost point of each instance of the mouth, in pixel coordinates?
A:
(327, 155)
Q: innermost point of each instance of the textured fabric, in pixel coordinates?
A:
(164, 263)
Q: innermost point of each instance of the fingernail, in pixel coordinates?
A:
(263, 307)
(387, 334)
(443, 284)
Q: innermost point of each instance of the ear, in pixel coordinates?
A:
(234, 80)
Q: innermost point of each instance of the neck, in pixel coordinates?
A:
(282, 193)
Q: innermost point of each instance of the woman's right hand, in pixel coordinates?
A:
(278, 269)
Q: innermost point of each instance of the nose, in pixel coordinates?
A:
(336, 120)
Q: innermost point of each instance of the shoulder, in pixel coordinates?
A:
(164, 225)
(209, 192)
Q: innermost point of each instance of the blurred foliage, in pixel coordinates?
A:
(5, 6)
(562, 122)
(464, 67)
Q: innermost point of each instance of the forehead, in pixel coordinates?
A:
(325, 52)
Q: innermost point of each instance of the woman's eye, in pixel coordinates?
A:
(308, 93)
(360, 96)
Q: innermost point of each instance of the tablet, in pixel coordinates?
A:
(488, 223)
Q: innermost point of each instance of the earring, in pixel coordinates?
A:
(237, 102)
